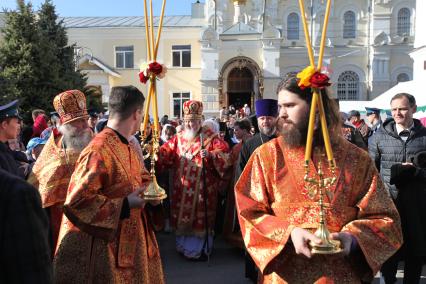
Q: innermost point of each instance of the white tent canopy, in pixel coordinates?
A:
(383, 101)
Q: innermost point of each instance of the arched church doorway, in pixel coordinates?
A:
(240, 82)
(240, 88)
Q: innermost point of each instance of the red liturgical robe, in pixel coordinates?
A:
(51, 175)
(272, 199)
(187, 205)
(95, 244)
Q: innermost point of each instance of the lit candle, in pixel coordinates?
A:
(160, 28)
(324, 128)
(148, 42)
(311, 128)
(155, 106)
(307, 37)
(324, 33)
(152, 29)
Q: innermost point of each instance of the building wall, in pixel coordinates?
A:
(101, 43)
(377, 54)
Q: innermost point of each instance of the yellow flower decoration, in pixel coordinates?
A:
(305, 76)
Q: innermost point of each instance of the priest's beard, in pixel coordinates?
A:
(74, 138)
(295, 134)
(189, 133)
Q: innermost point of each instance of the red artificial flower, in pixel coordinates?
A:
(319, 80)
(143, 78)
(155, 67)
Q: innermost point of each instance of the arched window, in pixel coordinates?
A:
(293, 26)
(403, 22)
(349, 25)
(348, 86)
(403, 77)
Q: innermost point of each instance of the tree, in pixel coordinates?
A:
(35, 62)
(55, 33)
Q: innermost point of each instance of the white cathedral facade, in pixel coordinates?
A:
(236, 51)
(247, 46)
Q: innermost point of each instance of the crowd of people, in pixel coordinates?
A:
(72, 207)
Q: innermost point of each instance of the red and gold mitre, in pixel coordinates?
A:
(192, 110)
(70, 105)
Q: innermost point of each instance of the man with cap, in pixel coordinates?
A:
(354, 117)
(52, 171)
(373, 117)
(200, 160)
(266, 113)
(10, 127)
(93, 119)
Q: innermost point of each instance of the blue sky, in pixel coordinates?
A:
(67, 8)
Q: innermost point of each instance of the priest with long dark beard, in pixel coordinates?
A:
(278, 217)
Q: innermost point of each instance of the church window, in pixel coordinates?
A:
(403, 77)
(403, 22)
(293, 26)
(349, 25)
(348, 86)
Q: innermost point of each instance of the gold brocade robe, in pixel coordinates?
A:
(51, 175)
(272, 199)
(187, 201)
(95, 244)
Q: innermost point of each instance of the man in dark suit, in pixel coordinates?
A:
(24, 249)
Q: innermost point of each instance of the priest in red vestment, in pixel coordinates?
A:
(52, 171)
(200, 159)
(278, 215)
(106, 235)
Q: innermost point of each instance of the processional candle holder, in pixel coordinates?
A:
(151, 72)
(319, 185)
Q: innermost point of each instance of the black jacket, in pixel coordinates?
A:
(411, 203)
(386, 148)
(9, 160)
(247, 149)
(25, 255)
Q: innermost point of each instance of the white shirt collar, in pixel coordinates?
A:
(399, 128)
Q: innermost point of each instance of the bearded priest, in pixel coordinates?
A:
(200, 159)
(278, 215)
(52, 171)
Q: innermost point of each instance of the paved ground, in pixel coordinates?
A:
(226, 265)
